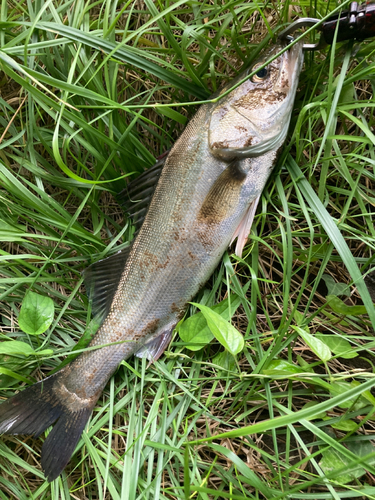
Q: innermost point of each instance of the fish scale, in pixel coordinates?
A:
(206, 195)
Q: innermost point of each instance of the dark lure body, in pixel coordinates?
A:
(206, 196)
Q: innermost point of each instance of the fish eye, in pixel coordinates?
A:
(260, 75)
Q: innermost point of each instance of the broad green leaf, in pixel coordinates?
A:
(317, 346)
(43, 352)
(339, 307)
(332, 317)
(366, 394)
(281, 367)
(36, 313)
(348, 94)
(15, 347)
(299, 318)
(197, 333)
(333, 460)
(355, 403)
(225, 333)
(317, 253)
(195, 330)
(225, 360)
(338, 345)
(362, 448)
(345, 425)
(335, 288)
(304, 364)
(18, 348)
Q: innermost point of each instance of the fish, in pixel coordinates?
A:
(188, 209)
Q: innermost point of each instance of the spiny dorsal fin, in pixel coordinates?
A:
(101, 281)
(102, 278)
(136, 197)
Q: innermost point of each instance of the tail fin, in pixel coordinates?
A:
(33, 410)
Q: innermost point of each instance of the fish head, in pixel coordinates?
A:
(254, 118)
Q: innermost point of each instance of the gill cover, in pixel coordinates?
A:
(254, 118)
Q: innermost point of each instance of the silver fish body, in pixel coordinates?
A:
(206, 196)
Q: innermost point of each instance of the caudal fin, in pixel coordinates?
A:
(33, 410)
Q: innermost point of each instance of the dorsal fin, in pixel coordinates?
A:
(136, 197)
(101, 281)
(102, 278)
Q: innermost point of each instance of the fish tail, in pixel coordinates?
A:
(37, 407)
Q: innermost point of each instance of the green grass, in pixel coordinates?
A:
(91, 93)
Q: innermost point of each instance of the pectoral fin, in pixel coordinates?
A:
(244, 227)
(223, 197)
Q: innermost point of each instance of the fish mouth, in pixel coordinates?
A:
(265, 129)
(296, 60)
(287, 83)
(292, 64)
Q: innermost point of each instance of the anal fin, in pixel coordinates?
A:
(244, 227)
